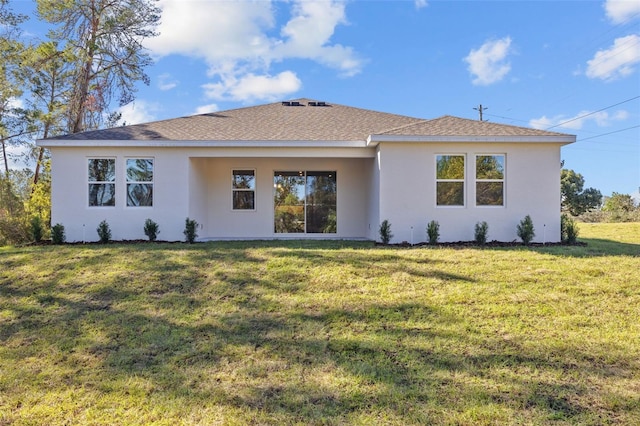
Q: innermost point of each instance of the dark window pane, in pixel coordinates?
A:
(321, 219)
(289, 219)
(450, 194)
(490, 167)
(321, 202)
(102, 170)
(289, 202)
(139, 195)
(140, 170)
(243, 200)
(450, 167)
(102, 194)
(489, 193)
(244, 179)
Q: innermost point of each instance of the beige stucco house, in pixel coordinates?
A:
(307, 169)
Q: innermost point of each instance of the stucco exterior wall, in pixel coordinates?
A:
(222, 222)
(396, 182)
(69, 194)
(408, 191)
(191, 183)
(374, 199)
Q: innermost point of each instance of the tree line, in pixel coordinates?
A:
(90, 62)
(588, 204)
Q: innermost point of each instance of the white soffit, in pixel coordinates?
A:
(198, 144)
(373, 140)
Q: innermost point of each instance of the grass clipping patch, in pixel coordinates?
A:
(306, 332)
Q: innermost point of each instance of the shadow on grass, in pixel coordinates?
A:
(256, 342)
(602, 247)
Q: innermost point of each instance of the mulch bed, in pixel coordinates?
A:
(457, 244)
(488, 244)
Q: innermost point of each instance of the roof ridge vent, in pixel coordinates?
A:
(317, 103)
(292, 103)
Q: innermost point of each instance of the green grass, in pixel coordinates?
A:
(302, 332)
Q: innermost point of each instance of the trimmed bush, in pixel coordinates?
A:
(385, 232)
(36, 229)
(525, 230)
(104, 232)
(433, 232)
(57, 234)
(190, 230)
(568, 229)
(151, 229)
(481, 230)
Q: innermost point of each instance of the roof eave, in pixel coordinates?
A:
(374, 140)
(76, 143)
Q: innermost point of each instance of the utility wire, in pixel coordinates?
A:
(610, 133)
(591, 113)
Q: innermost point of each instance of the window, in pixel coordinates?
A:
(450, 180)
(102, 178)
(490, 180)
(305, 202)
(139, 182)
(244, 189)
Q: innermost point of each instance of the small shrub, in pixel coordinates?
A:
(36, 229)
(190, 230)
(568, 229)
(481, 230)
(151, 229)
(433, 232)
(385, 232)
(525, 230)
(57, 234)
(104, 232)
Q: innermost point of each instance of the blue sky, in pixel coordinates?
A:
(568, 66)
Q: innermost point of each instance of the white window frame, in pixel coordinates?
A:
(503, 180)
(254, 189)
(96, 182)
(463, 180)
(151, 182)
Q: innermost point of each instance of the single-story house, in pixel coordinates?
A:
(307, 169)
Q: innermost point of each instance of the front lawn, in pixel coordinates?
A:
(301, 332)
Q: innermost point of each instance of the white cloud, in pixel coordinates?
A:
(204, 109)
(18, 156)
(15, 103)
(251, 87)
(138, 112)
(421, 3)
(166, 82)
(239, 40)
(308, 33)
(578, 121)
(616, 62)
(619, 11)
(213, 30)
(489, 64)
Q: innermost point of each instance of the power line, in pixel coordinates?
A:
(610, 133)
(584, 139)
(591, 113)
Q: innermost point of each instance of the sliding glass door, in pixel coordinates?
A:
(305, 202)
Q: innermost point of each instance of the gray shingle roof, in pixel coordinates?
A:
(455, 126)
(298, 121)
